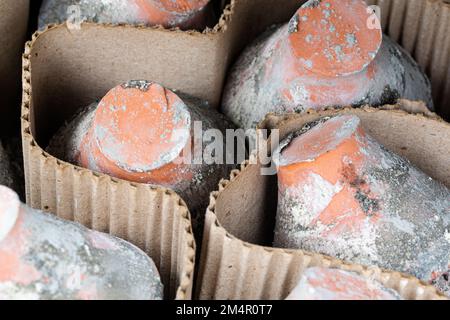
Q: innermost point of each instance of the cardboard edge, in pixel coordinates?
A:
(403, 106)
(30, 146)
(215, 234)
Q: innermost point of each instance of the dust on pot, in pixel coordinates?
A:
(325, 56)
(322, 283)
(44, 257)
(145, 133)
(343, 194)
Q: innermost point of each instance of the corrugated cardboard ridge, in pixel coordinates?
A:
(422, 27)
(231, 268)
(155, 219)
(402, 107)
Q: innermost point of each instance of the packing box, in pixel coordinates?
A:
(65, 69)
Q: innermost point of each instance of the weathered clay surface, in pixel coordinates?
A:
(6, 173)
(343, 194)
(185, 14)
(44, 257)
(316, 61)
(319, 283)
(144, 151)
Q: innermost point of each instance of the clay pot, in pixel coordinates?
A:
(144, 133)
(44, 257)
(343, 194)
(185, 14)
(328, 55)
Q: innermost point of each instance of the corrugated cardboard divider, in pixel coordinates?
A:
(13, 26)
(155, 219)
(422, 27)
(236, 260)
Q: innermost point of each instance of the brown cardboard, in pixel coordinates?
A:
(422, 27)
(13, 26)
(236, 260)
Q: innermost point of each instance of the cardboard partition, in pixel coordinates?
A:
(422, 27)
(232, 266)
(237, 261)
(13, 27)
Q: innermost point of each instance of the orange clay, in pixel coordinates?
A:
(12, 267)
(332, 284)
(331, 39)
(326, 43)
(316, 150)
(13, 242)
(43, 257)
(333, 153)
(342, 91)
(170, 13)
(137, 134)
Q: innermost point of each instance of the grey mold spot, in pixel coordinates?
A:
(142, 85)
(368, 205)
(352, 41)
(6, 170)
(312, 4)
(293, 24)
(389, 95)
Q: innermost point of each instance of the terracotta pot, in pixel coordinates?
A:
(44, 257)
(328, 55)
(343, 194)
